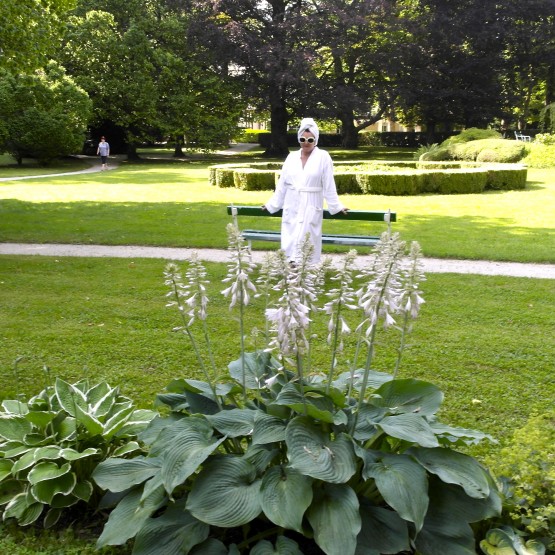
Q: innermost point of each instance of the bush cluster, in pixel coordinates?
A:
(386, 178)
(526, 468)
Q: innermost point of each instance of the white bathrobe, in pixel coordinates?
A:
(301, 193)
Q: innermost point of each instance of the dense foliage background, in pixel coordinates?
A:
(188, 70)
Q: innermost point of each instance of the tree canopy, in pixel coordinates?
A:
(186, 70)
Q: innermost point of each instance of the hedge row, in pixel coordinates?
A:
(386, 178)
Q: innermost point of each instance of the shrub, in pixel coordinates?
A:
(250, 179)
(347, 184)
(500, 178)
(471, 134)
(447, 183)
(50, 446)
(540, 155)
(250, 135)
(369, 138)
(277, 457)
(386, 178)
(386, 183)
(526, 468)
(545, 138)
(424, 149)
(499, 150)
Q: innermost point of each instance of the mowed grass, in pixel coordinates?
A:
(485, 341)
(171, 203)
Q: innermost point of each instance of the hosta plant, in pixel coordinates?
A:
(50, 445)
(278, 456)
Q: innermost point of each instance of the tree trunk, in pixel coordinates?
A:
(349, 132)
(132, 152)
(178, 150)
(550, 85)
(278, 123)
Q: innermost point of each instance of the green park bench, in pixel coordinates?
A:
(327, 238)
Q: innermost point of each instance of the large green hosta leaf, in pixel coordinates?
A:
(73, 455)
(234, 422)
(47, 470)
(409, 427)
(446, 527)
(93, 426)
(9, 489)
(14, 406)
(121, 474)
(70, 397)
(313, 452)
(136, 423)
(175, 532)
(454, 468)
(383, 531)
(312, 402)
(504, 541)
(24, 510)
(101, 397)
(403, 484)
(116, 422)
(41, 419)
(45, 490)
(267, 429)
(335, 518)
(284, 546)
(226, 493)
(5, 468)
(129, 516)
(13, 427)
(367, 418)
(285, 494)
(183, 447)
(258, 367)
(409, 395)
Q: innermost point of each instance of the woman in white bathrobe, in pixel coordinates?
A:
(306, 180)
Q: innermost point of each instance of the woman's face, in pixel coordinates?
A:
(307, 146)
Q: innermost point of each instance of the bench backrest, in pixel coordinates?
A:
(362, 215)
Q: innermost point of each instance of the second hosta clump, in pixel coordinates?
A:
(275, 457)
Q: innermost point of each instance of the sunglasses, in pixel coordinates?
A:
(309, 140)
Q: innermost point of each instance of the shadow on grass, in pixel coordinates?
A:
(203, 225)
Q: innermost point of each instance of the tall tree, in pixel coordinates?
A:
(42, 115)
(358, 52)
(268, 43)
(29, 32)
(528, 38)
(136, 62)
(449, 67)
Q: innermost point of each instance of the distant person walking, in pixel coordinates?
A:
(103, 151)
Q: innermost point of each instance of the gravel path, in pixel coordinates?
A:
(431, 265)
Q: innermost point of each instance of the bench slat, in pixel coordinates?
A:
(327, 238)
(358, 215)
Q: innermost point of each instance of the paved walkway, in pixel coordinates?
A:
(114, 161)
(431, 265)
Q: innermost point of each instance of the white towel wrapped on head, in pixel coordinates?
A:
(308, 124)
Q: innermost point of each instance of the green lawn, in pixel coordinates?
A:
(479, 338)
(170, 203)
(485, 341)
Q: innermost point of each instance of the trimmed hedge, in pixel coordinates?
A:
(385, 178)
(501, 151)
